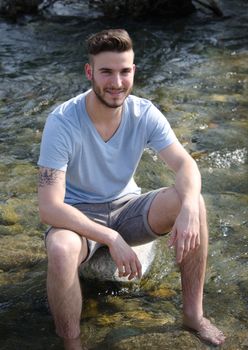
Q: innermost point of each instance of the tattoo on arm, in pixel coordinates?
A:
(48, 176)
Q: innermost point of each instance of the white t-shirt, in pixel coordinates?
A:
(99, 171)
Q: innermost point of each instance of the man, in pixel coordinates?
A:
(90, 150)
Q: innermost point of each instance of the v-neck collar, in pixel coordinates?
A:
(94, 129)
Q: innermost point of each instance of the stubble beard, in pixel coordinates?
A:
(98, 94)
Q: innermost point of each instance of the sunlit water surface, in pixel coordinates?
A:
(195, 70)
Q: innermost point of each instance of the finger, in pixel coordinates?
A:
(133, 271)
(186, 251)
(193, 243)
(139, 268)
(173, 237)
(179, 253)
(128, 270)
(136, 269)
(198, 240)
(187, 243)
(120, 268)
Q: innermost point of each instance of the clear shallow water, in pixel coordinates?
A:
(195, 69)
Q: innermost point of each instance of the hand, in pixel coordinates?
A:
(185, 234)
(125, 258)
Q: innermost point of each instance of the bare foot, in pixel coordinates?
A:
(74, 344)
(207, 331)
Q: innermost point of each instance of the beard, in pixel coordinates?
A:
(116, 102)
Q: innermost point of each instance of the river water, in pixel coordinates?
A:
(196, 70)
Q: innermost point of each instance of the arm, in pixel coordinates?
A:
(53, 211)
(185, 234)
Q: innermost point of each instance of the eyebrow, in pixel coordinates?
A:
(126, 69)
(105, 69)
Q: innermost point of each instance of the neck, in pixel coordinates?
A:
(98, 112)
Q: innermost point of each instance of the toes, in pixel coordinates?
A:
(210, 333)
(206, 331)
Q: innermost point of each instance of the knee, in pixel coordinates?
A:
(63, 251)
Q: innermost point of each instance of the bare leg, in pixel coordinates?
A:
(66, 250)
(193, 268)
(161, 217)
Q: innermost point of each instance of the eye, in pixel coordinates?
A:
(126, 71)
(106, 71)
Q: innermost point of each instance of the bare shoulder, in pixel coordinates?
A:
(49, 177)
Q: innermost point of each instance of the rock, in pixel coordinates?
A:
(143, 8)
(8, 215)
(166, 339)
(71, 8)
(12, 8)
(210, 5)
(102, 267)
(92, 9)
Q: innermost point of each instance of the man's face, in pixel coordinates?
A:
(111, 74)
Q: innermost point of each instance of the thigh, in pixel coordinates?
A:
(131, 220)
(164, 210)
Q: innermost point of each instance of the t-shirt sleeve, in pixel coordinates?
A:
(55, 144)
(159, 132)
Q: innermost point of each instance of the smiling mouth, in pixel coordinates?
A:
(115, 92)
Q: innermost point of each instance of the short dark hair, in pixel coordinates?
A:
(117, 40)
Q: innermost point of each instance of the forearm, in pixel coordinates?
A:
(65, 216)
(188, 182)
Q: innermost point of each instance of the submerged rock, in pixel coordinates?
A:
(8, 215)
(166, 339)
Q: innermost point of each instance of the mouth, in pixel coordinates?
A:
(115, 93)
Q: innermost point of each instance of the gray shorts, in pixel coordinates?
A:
(127, 215)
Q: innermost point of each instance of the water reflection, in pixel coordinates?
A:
(195, 69)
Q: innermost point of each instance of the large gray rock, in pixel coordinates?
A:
(102, 267)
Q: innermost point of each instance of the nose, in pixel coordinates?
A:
(116, 81)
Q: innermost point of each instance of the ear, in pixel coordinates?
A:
(88, 71)
(134, 68)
